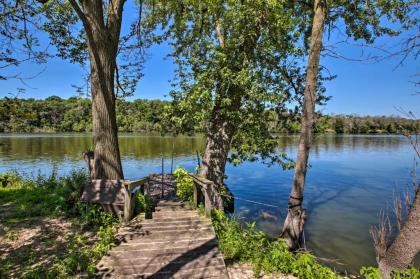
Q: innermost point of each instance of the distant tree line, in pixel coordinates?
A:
(55, 114)
(353, 124)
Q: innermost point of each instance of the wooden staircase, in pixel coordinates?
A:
(175, 243)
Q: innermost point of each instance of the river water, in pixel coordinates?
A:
(351, 179)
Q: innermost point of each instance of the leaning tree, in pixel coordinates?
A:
(362, 20)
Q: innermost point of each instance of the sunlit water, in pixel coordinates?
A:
(351, 179)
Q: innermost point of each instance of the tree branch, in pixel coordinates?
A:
(115, 9)
(220, 34)
(79, 11)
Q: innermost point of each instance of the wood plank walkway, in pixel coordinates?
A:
(175, 243)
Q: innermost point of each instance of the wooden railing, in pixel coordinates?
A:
(116, 195)
(205, 191)
(130, 188)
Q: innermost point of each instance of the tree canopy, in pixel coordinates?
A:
(237, 58)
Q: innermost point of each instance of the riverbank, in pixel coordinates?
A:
(343, 169)
(45, 231)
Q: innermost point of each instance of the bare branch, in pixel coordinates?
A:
(381, 235)
(397, 211)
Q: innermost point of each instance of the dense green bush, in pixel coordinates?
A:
(373, 273)
(252, 246)
(184, 184)
(143, 204)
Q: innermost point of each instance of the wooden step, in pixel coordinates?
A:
(170, 223)
(191, 243)
(172, 208)
(174, 214)
(117, 259)
(196, 273)
(170, 203)
(158, 228)
(174, 219)
(124, 267)
(165, 235)
(199, 250)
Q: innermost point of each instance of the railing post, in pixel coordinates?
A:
(195, 195)
(146, 188)
(128, 203)
(207, 202)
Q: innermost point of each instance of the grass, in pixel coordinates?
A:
(45, 229)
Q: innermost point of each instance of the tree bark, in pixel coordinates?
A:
(295, 220)
(107, 162)
(102, 40)
(406, 245)
(220, 131)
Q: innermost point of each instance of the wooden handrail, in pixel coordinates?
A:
(207, 188)
(202, 181)
(129, 201)
(135, 183)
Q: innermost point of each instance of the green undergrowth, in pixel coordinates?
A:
(73, 236)
(143, 204)
(248, 245)
(373, 273)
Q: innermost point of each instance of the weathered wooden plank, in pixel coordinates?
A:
(136, 183)
(114, 194)
(128, 204)
(195, 196)
(203, 182)
(104, 192)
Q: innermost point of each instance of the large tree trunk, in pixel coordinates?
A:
(103, 34)
(220, 131)
(406, 245)
(107, 162)
(296, 215)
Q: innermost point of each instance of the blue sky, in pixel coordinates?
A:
(360, 87)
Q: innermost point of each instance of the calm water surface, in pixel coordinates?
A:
(350, 180)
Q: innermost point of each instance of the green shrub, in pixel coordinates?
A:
(409, 273)
(143, 204)
(254, 247)
(370, 272)
(373, 273)
(201, 209)
(10, 178)
(184, 184)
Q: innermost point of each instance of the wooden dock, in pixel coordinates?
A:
(175, 243)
